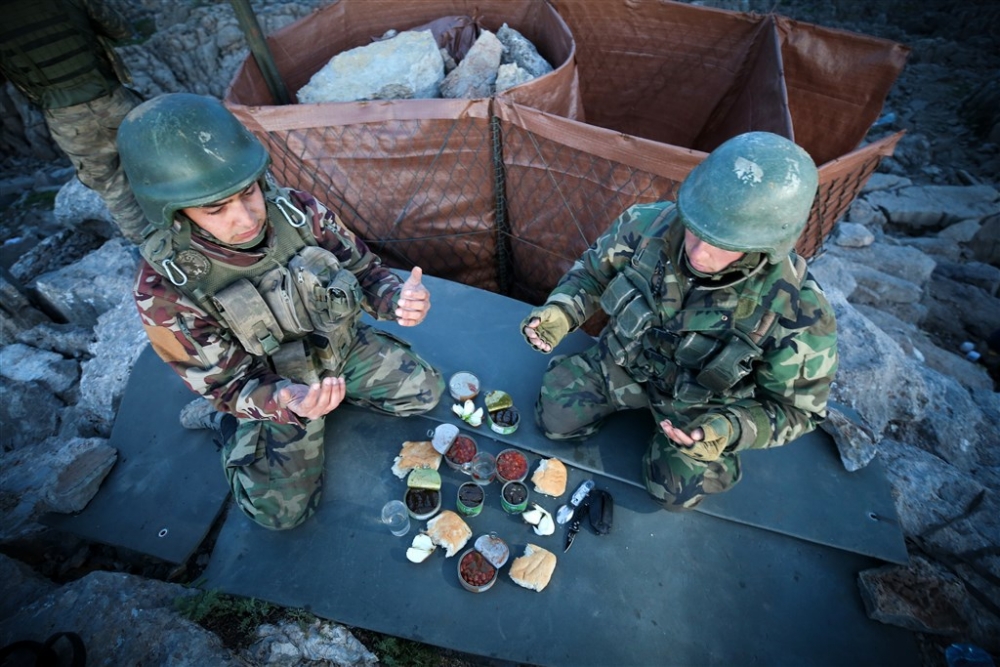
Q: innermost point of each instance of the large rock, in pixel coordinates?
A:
(21, 586)
(919, 345)
(123, 620)
(54, 475)
(17, 314)
(933, 207)
(120, 339)
(921, 597)
(897, 260)
(22, 363)
(986, 242)
(75, 202)
(983, 276)
(876, 379)
(476, 75)
(521, 52)
(916, 475)
(958, 311)
(292, 644)
(29, 412)
(408, 65)
(81, 292)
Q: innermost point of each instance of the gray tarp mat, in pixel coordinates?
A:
(167, 488)
(661, 589)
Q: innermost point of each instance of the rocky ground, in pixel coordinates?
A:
(913, 273)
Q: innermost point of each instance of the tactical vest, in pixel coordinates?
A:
(50, 52)
(295, 305)
(681, 352)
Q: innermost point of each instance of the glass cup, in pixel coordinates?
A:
(483, 468)
(395, 516)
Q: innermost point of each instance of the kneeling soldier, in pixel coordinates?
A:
(253, 293)
(715, 325)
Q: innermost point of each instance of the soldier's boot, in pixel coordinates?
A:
(200, 413)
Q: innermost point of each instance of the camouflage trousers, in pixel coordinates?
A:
(87, 133)
(275, 470)
(580, 391)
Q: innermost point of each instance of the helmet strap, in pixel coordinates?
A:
(743, 269)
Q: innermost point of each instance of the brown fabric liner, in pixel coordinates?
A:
(505, 193)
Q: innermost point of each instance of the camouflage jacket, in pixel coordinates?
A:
(784, 391)
(207, 355)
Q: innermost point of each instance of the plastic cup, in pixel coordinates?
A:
(396, 517)
(483, 468)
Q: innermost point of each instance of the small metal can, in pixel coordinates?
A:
(459, 456)
(514, 497)
(504, 421)
(470, 499)
(478, 566)
(423, 493)
(463, 386)
(512, 466)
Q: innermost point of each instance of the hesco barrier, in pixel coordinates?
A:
(505, 193)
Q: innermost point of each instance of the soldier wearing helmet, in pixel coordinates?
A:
(715, 325)
(253, 293)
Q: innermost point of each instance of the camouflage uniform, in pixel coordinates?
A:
(659, 363)
(51, 50)
(273, 459)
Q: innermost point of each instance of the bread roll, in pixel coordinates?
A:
(534, 569)
(550, 478)
(415, 454)
(449, 531)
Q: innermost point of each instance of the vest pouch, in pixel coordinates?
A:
(619, 292)
(249, 318)
(731, 365)
(656, 361)
(694, 348)
(294, 360)
(332, 294)
(689, 390)
(277, 289)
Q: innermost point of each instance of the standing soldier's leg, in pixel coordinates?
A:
(679, 482)
(579, 391)
(383, 373)
(87, 134)
(275, 470)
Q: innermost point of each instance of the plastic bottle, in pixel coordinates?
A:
(967, 655)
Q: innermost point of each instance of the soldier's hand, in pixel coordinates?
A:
(708, 439)
(544, 327)
(414, 300)
(313, 401)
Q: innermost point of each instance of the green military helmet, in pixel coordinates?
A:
(751, 194)
(181, 150)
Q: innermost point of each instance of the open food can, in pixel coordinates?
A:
(463, 449)
(512, 466)
(423, 493)
(471, 498)
(501, 413)
(463, 386)
(514, 497)
(478, 567)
